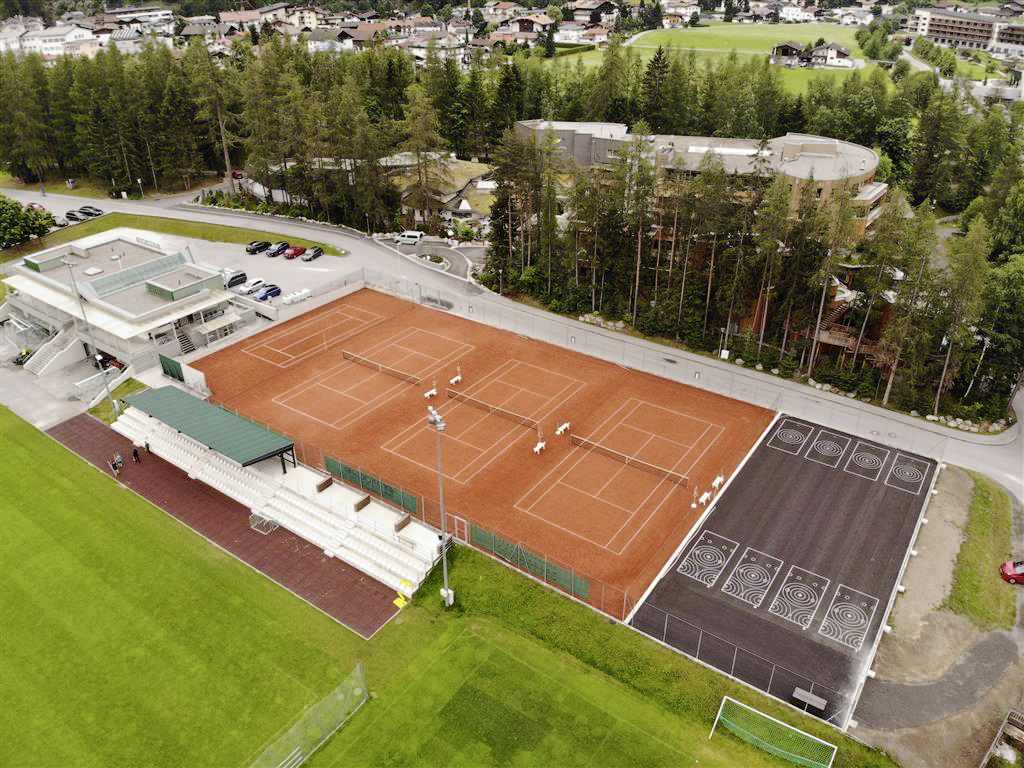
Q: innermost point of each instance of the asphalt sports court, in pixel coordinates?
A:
(795, 564)
(609, 497)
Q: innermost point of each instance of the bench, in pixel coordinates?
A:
(810, 699)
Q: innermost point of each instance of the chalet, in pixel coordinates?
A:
(569, 32)
(831, 55)
(594, 11)
(787, 53)
(50, 41)
(795, 13)
(535, 23)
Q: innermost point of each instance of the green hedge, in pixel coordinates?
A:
(568, 49)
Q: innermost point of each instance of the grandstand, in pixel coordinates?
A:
(248, 463)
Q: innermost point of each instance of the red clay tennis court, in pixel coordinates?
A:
(583, 463)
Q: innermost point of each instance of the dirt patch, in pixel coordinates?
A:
(926, 641)
(958, 740)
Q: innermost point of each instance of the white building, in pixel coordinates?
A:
(14, 28)
(140, 298)
(51, 41)
(795, 13)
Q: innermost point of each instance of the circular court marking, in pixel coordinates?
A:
(867, 460)
(709, 556)
(797, 602)
(908, 473)
(828, 448)
(847, 623)
(791, 436)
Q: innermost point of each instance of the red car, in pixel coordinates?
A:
(294, 252)
(1012, 571)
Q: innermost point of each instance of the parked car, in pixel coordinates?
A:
(278, 248)
(269, 291)
(294, 251)
(233, 277)
(75, 216)
(257, 246)
(23, 356)
(237, 175)
(90, 211)
(409, 237)
(1012, 571)
(251, 286)
(60, 221)
(313, 253)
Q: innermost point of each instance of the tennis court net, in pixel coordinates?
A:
(378, 367)
(525, 421)
(664, 474)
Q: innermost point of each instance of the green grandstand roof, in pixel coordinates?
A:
(229, 435)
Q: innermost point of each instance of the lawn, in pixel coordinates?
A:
(977, 592)
(127, 387)
(198, 230)
(750, 38)
(795, 80)
(128, 640)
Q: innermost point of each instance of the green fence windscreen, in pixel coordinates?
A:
(377, 487)
(530, 562)
(172, 368)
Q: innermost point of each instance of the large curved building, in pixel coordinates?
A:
(801, 158)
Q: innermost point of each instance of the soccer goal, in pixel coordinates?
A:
(773, 735)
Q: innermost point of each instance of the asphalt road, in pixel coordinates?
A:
(1001, 458)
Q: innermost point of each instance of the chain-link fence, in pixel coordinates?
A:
(316, 725)
(741, 664)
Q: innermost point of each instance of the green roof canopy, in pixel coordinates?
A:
(229, 435)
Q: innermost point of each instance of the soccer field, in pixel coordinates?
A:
(750, 38)
(126, 639)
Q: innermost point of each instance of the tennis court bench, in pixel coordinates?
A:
(810, 699)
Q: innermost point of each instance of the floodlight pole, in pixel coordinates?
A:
(436, 420)
(92, 337)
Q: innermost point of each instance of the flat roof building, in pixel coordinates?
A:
(798, 157)
(139, 298)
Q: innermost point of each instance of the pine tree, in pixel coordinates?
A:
(654, 96)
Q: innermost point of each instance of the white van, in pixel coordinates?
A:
(409, 237)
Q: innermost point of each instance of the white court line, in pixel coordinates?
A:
(360, 412)
(588, 493)
(767, 587)
(797, 426)
(817, 439)
(703, 518)
(834, 629)
(913, 462)
(371, 377)
(280, 332)
(495, 376)
(660, 437)
(878, 469)
(800, 609)
(361, 326)
(575, 450)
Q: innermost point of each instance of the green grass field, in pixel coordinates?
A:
(977, 592)
(750, 38)
(213, 232)
(717, 40)
(103, 412)
(128, 640)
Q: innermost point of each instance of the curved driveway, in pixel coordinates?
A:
(1000, 456)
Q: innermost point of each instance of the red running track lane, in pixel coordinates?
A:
(344, 593)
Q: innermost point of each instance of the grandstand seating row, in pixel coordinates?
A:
(341, 532)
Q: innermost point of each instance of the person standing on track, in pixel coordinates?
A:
(135, 455)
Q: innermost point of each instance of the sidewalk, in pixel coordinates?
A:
(344, 593)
